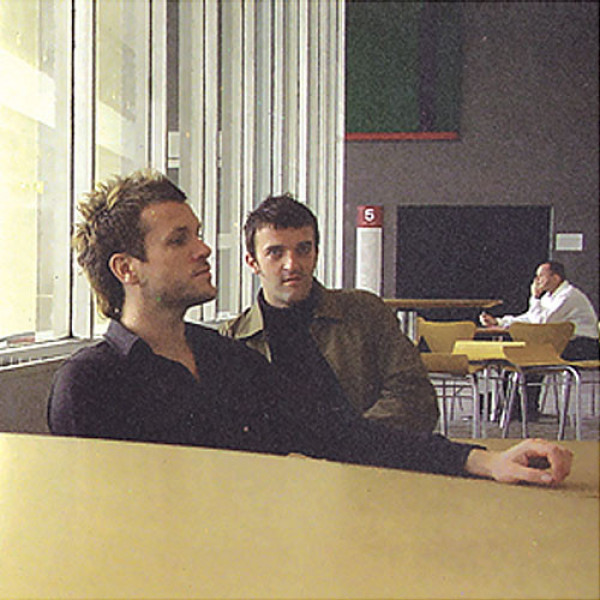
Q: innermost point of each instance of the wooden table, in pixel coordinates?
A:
(416, 303)
(100, 519)
(406, 308)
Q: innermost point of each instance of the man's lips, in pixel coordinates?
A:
(294, 279)
(203, 271)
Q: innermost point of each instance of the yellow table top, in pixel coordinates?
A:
(480, 350)
(103, 519)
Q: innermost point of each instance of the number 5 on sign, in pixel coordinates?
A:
(369, 234)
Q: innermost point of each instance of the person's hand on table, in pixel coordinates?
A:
(532, 461)
(488, 320)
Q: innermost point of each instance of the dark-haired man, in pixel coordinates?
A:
(319, 335)
(156, 378)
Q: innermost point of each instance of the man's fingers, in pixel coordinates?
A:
(537, 461)
(536, 476)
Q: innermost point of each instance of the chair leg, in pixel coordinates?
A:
(564, 412)
(571, 374)
(507, 412)
(476, 409)
(522, 384)
(578, 402)
(544, 393)
(496, 392)
(443, 410)
(484, 410)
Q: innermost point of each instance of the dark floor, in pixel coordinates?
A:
(460, 424)
(546, 428)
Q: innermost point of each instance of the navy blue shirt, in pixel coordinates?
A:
(120, 389)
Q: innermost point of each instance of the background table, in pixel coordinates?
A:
(101, 519)
(406, 308)
(495, 333)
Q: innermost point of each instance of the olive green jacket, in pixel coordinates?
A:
(378, 367)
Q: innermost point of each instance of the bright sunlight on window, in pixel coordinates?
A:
(34, 170)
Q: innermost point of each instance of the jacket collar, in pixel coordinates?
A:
(327, 305)
(326, 308)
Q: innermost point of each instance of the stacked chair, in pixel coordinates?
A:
(449, 372)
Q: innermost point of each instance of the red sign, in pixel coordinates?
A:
(369, 216)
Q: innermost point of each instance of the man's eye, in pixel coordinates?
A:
(305, 249)
(275, 252)
(178, 241)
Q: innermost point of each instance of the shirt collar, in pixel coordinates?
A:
(563, 285)
(122, 339)
(126, 342)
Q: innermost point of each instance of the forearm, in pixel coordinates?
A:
(479, 463)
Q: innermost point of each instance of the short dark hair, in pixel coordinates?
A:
(279, 212)
(557, 268)
(111, 224)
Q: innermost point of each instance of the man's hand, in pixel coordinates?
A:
(487, 320)
(532, 461)
(537, 288)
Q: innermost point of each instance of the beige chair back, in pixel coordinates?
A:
(441, 362)
(441, 335)
(556, 334)
(534, 355)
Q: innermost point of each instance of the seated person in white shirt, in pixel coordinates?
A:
(553, 299)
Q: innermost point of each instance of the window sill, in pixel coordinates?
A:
(12, 357)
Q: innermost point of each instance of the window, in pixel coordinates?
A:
(34, 169)
(248, 95)
(121, 98)
(260, 112)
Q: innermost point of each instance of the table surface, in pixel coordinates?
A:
(485, 350)
(415, 303)
(104, 519)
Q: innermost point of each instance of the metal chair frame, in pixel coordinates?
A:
(449, 369)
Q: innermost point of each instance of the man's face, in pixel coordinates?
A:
(545, 279)
(176, 272)
(285, 261)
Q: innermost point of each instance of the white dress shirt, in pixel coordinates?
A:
(566, 303)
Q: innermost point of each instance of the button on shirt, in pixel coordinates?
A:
(566, 303)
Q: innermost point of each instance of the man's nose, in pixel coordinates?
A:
(290, 260)
(202, 250)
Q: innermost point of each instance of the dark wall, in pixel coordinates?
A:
(529, 134)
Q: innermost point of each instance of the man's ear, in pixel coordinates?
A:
(252, 263)
(121, 265)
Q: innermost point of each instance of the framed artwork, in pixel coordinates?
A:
(403, 70)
